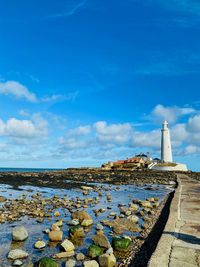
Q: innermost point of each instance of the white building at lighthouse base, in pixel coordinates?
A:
(170, 167)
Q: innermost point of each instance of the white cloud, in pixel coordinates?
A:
(178, 134)
(146, 139)
(23, 128)
(71, 143)
(81, 130)
(115, 133)
(193, 124)
(171, 114)
(17, 89)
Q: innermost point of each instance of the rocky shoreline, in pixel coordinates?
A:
(154, 215)
(73, 177)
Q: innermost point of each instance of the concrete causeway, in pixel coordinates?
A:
(179, 245)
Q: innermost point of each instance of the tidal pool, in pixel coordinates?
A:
(120, 194)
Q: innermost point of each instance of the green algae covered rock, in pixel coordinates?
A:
(94, 251)
(47, 262)
(76, 231)
(121, 244)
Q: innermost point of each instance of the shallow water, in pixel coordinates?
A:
(122, 195)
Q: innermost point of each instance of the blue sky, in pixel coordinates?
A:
(87, 81)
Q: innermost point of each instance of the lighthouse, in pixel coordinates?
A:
(166, 150)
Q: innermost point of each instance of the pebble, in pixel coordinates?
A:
(70, 263)
(80, 256)
(17, 263)
(40, 244)
(99, 226)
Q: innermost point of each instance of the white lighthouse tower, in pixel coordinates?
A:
(166, 150)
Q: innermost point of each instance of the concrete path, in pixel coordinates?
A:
(179, 245)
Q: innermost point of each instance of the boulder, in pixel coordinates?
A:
(17, 254)
(67, 245)
(107, 260)
(101, 240)
(121, 244)
(122, 224)
(92, 263)
(81, 215)
(94, 251)
(76, 232)
(19, 233)
(47, 262)
(55, 235)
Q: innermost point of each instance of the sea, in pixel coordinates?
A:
(4, 169)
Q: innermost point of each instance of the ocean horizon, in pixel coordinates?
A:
(7, 169)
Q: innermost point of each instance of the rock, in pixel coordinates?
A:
(55, 227)
(113, 214)
(81, 215)
(67, 245)
(123, 210)
(56, 213)
(17, 263)
(133, 219)
(80, 256)
(133, 207)
(92, 263)
(19, 233)
(146, 204)
(102, 210)
(28, 264)
(70, 263)
(121, 244)
(47, 262)
(107, 260)
(99, 226)
(2, 199)
(87, 188)
(46, 231)
(94, 251)
(144, 226)
(76, 232)
(74, 222)
(17, 254)
(128, 213)
(40, 244)
(59, 223)
(109, 251)
(66, 254)
(87, 222)
(101, 240)
(55, 235)
(120, 224)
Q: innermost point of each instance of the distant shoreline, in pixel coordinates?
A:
(73, 177)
